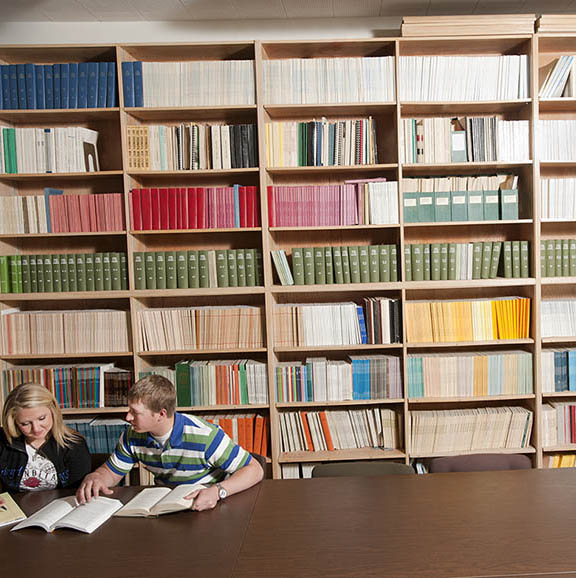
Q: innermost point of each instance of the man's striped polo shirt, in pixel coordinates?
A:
(197, 452)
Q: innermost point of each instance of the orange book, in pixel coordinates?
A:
(326, 430)
(258, 431)
(264, 448)
(226, 425)
(309, 444)
(249, 432)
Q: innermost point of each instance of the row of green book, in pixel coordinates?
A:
(340, 264)
(558, 257)
(198, 269)
(430, 207)
(63, 272)
(464, 261)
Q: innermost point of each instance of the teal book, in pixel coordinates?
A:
(475, 200)
(442, 212)
(509, 204)
(410, 207)
(491, 205)
(459, 206)
(426, 207)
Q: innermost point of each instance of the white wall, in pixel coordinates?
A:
(120, 32)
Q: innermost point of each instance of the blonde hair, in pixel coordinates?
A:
(156, 393)
(29, 395)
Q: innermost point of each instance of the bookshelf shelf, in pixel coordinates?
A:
(459, 399)
(70, 355)
(214, 291)
(564, 339)
(563, 448)
(564, 104)
(409, 109)
(298, 171)
(287, 111)
(346, 403)
(196, 231)
(65, 235)
(425, 169)
(224, 407)
(514, 282)
(553, 394)
(59, 176)
(344, 455)
(335, 348)
(196, 113)
(93, 410)
(501, 342)
(467, 223)
(59, 115)
(192, 352)
(65, 296)
(197, 173)
(335, 288)
(558, 280)
(336, 228)
(529, 450)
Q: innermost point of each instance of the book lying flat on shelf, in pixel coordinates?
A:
(67, 513)
(152, 502)
(10, 511)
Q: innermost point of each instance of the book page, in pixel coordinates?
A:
(174, 501)
(141, 503)
(10, 512)
(87, 517)
(49, 515)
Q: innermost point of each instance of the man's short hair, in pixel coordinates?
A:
(156, 393)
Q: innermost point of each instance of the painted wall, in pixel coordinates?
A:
(118, 32)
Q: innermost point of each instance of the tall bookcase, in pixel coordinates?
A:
(116, 175)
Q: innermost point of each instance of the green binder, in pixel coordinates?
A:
(319, 266)
(89, 263)
(221, 268)
(298, 265)
(114, 271)
(525, 260)
(232, 268)
(354, 260)
(329, 265)
(426, 207)
(308, 258)
(171, 271)
(182, 269)
(240, 268)
(149, 270)
(408, 262)
(364, 260)
(384, 263)
(193, 275)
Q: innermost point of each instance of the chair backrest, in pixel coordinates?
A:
(363, 468)
(265, 466)
(479, 462)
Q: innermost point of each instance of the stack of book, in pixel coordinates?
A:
(555, 140)
(75, 386)
(460, 140)
(475, 320)
(469, 25)
(63, 272)
(53, 332)
(195, 83)
(560, 80)
(321, 379)
(557, 199)
(178, 208)
(191, 146)
(558, 424)
(328, 80)
(339, 429)
(303, 325)
(221, 382)
(463, 78)
(464, 261)
(190, 329)
(469, 430)
(197, 269)
(248, 430)
(558, 257)
(54, 86)
(358, 202)
(558, 317)
(559, 461)
(321, 143)
(69, 149)
(556, 23)
(342, 264)
(101, 434)
(558, 370)
(470, 374)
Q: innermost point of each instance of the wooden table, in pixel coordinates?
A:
(482, 524)
(441, 525)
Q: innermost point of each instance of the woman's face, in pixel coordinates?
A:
(35, 423)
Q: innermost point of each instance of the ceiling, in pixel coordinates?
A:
(201, 10)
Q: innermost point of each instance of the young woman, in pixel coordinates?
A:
(37, 451)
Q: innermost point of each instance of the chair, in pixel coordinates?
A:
(479, 462)
(265, 465)
(363, 468)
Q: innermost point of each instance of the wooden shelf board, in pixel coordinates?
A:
(91, 410)
(563, 339)
(462, 107)
(201, 351)
(564, 104)
(59, 115)
(336, 227)
(191, 112)
(117, 294)
(563, 448)
(67, 355)
(564, 164)
(330, 456)
(329, 109)
(346, 403)
(223, 407)
(71, 234)
(58, 176)
(336, 287)
(549, 394)
(194, 173)
(196, 231)
(467, 223)
(504, 342)
(558, 280)
(327, 348)
(529, 450)
(520, 282)
(330, 169)
(412, 169)
(194, 292)
(423, 400)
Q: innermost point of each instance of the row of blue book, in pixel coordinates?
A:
(101, 434)
(132, 84)
(58, 86)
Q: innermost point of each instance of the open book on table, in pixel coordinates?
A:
(67, 513)
(10, 512)
(156, 501)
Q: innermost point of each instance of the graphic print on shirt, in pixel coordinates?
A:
(39, 474)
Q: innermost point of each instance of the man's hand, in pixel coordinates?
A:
(91, 487)
(205, 499)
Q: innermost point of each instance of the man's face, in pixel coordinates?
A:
(143, 419)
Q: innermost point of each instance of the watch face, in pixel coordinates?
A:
(222, 493)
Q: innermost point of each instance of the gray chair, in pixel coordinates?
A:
(479, 463)
(360, 468)
(265, 465)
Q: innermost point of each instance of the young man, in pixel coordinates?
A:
(177, 449)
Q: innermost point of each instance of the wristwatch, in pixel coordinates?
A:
(222, 493)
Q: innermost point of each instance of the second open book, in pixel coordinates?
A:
(156, 501)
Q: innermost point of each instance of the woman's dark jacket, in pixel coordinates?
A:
(71, 464)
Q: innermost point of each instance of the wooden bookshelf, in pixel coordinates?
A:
(117, 176)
